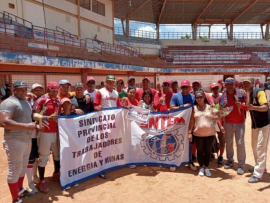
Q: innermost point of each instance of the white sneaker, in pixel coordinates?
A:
(201, 172)
(172, 169)
(76, 185)
(207, 172)
(31, 188)
(132, 166)
(68, 188)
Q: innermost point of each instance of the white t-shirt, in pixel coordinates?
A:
(91, 94)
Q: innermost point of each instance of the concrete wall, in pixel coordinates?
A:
(64, 14)
(198, 42)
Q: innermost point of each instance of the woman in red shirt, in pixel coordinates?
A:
(130, 99)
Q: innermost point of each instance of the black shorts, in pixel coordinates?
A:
(34, 151)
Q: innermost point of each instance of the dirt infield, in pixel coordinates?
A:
(155, 184)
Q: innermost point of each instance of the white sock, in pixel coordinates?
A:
(29, 173)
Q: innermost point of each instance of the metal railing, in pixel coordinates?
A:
(41, 34)
(17, 19)
(187, 35)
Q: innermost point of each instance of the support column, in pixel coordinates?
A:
(157, 31)
(195, 31)
(267, 31)
(127, 27)
(123, 27)
(227, 30)
(84, 73)
(209, 33)
(79, 18)
(263, 36)
(231, 31)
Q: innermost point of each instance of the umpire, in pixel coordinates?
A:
(16, 119)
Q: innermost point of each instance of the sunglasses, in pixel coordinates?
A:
(166, 84)
(132, 80)
(184, 87)
(216, 88)
(54, 88)
(199, 97)
(91, 83)
(120, 83)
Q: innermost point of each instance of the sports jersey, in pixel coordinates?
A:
(52, 106)
(106, 98)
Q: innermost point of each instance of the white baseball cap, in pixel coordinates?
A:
(34, 86)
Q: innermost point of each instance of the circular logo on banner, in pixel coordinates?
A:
(163, 146)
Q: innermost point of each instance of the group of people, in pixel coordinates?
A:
(30, 122)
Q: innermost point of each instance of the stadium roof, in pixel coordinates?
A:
(194, 11)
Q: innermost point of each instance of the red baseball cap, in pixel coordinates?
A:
(213, 85)
(90, 79)
(53, 85)
(197, 81)
(220, 81)
(146, 78)
(65, 100)
(167, 81)
(185, 83)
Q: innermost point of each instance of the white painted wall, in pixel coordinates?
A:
(63, 14)
(89, 30)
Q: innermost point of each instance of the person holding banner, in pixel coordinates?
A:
(163, 98)
(146, 102)
(130, 100)
(180, 100)
(107, 97)
(204, 131)
(78, 101)
(258, 108)
(48, 139)
(16, 119)
(234, 124)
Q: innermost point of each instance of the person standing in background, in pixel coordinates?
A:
(5, 92)
(120, 88)
(91, 88)
(258, 108)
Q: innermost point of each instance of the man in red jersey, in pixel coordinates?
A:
(145, 86)
(48, 139)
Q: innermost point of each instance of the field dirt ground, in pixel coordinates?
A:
(155, 184)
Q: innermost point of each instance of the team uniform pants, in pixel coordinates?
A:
(18, 152)
(259, 142)
(47, 141)
(238, 131)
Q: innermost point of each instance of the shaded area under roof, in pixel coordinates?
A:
(194, 11)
